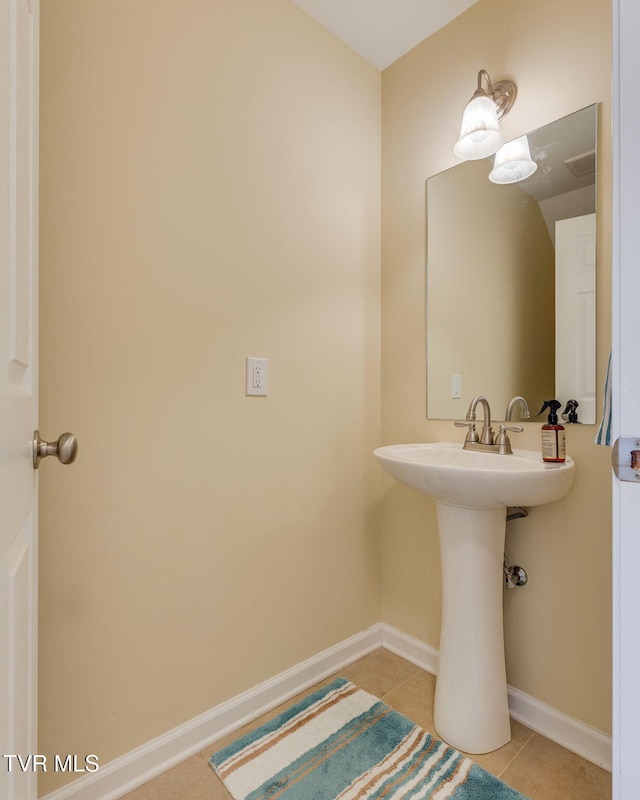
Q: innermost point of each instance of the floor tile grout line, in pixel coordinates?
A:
(401, 684)
(524, 744)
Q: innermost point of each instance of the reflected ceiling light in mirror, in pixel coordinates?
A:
(513, 162)
(480, 132)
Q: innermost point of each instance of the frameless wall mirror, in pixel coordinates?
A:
(511, 278)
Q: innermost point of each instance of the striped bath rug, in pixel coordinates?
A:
(341, 743)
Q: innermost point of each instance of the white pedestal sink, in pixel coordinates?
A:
(472, 491)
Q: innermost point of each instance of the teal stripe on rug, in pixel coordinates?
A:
(341, 743)
(327, 769)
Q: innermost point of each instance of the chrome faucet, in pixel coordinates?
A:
(486, 442)
(512, 404)
(487, 430)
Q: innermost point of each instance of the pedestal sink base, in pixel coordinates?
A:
(471, 711)
(472, 491)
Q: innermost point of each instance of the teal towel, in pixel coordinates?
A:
(603, 436)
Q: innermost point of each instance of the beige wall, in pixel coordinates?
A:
(558, 633)
(210, 191)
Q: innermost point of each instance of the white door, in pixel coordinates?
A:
(18, 393)
(576, 313)
(626, 396)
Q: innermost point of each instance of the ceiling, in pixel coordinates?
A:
(383, 30)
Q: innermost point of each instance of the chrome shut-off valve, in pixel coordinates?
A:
(514, 576)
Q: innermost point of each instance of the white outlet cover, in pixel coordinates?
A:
(257, 377)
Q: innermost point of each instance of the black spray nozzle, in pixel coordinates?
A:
(553, 406)
(570, 413)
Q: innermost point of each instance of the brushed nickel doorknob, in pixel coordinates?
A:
(65, 448)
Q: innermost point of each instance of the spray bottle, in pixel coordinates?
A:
(570, 413)
(553, 444)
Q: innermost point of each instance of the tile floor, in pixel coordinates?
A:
(533, 765)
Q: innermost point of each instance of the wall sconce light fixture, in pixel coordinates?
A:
(513, 162)
(480, 133)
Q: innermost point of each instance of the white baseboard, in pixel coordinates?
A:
(585, 741)
(115, 779)
(582, 739)
(410, 648)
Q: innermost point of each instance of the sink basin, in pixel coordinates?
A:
(472, 491)
(471, 479)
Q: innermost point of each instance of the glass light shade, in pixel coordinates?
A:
(513, 162)
(480, 133)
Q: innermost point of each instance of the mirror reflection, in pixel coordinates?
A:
(511, 278)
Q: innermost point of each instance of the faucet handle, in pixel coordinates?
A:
(472, 435)
(502, 440)
(514, 428)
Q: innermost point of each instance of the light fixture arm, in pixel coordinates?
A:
(503, 93)
(484, 74)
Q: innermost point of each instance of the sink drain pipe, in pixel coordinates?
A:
(515, 575)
